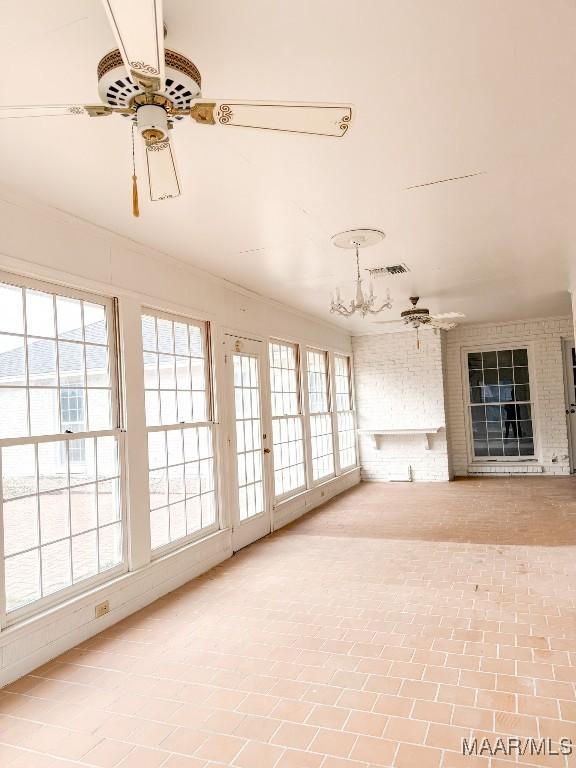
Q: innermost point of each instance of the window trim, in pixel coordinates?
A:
(528, 345)
(205, 327)
(62, 596)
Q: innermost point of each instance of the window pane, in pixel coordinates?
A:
(99, 416)
(109, 510)
(174, 380)
(56, 566)
(95, 323)
(149, 341)
(13, 412)
(84, 556)
(320, 425)
(69, 318)
(20, 525)
(177, 490)
(345, 418)
(18, 471)
(12, 314)
(12, 361)
(503, 428)
(287, 432)
(110, 546)
(317, 382)
(44, 411)
(321, 438)
(52, 501)
(97, 371)
(175, 384)
(40, 313)
(83, 514)
(22, 573)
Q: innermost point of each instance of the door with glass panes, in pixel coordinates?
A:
(570, 382)
(249, 441)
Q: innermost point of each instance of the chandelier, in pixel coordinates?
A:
(362, 303)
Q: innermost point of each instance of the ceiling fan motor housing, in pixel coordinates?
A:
(181, 85)
(416, 317)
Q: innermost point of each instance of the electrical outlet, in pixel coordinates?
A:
(102, 609)
(322, 494)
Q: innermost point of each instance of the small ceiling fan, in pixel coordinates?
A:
(156, 87)
(415, 317)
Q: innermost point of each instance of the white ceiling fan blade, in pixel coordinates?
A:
(319, 119)
(442, 324)
(54, 110)
(162, 177)
(448, 315)
(138, 27)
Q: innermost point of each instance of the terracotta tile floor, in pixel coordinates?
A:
(377, 631)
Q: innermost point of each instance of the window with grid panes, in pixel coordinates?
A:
(322, 445)
(287, 431)
(344, 412)
(180, 429)
(59, 443)
(500, 404)
(248, 435)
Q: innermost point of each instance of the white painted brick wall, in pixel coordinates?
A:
(547, 385)
(400, 387)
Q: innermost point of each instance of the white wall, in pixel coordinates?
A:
(401, 387)
(47, 244)
(398, 386)
(544, 339)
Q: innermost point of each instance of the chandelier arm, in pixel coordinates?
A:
(343, 311)
(386, 305)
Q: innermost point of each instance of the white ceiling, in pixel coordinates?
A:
(440, 89)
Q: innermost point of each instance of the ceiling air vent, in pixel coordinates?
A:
(395, 269)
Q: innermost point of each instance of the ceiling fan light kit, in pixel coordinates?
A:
(156, 87)
(364, 304)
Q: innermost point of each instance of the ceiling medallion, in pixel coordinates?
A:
(363, 304)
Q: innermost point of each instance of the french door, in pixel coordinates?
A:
(249, 441)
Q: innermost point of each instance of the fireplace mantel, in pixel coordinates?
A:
(378, 435)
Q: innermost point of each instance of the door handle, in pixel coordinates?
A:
(267, 450)
(572, 410)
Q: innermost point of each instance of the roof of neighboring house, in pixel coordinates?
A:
(41, 357)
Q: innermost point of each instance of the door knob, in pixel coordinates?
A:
(267, 450)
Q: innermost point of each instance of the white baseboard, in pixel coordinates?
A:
(287, 512)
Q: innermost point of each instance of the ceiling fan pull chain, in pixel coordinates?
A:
(135, 208)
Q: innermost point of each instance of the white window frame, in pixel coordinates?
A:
(349, 364)
(312, 483)
(299, 415)
(496, 347)
(205, 328)
(64, 595)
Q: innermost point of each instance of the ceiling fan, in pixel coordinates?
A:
(156, 87)
(415, 317)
